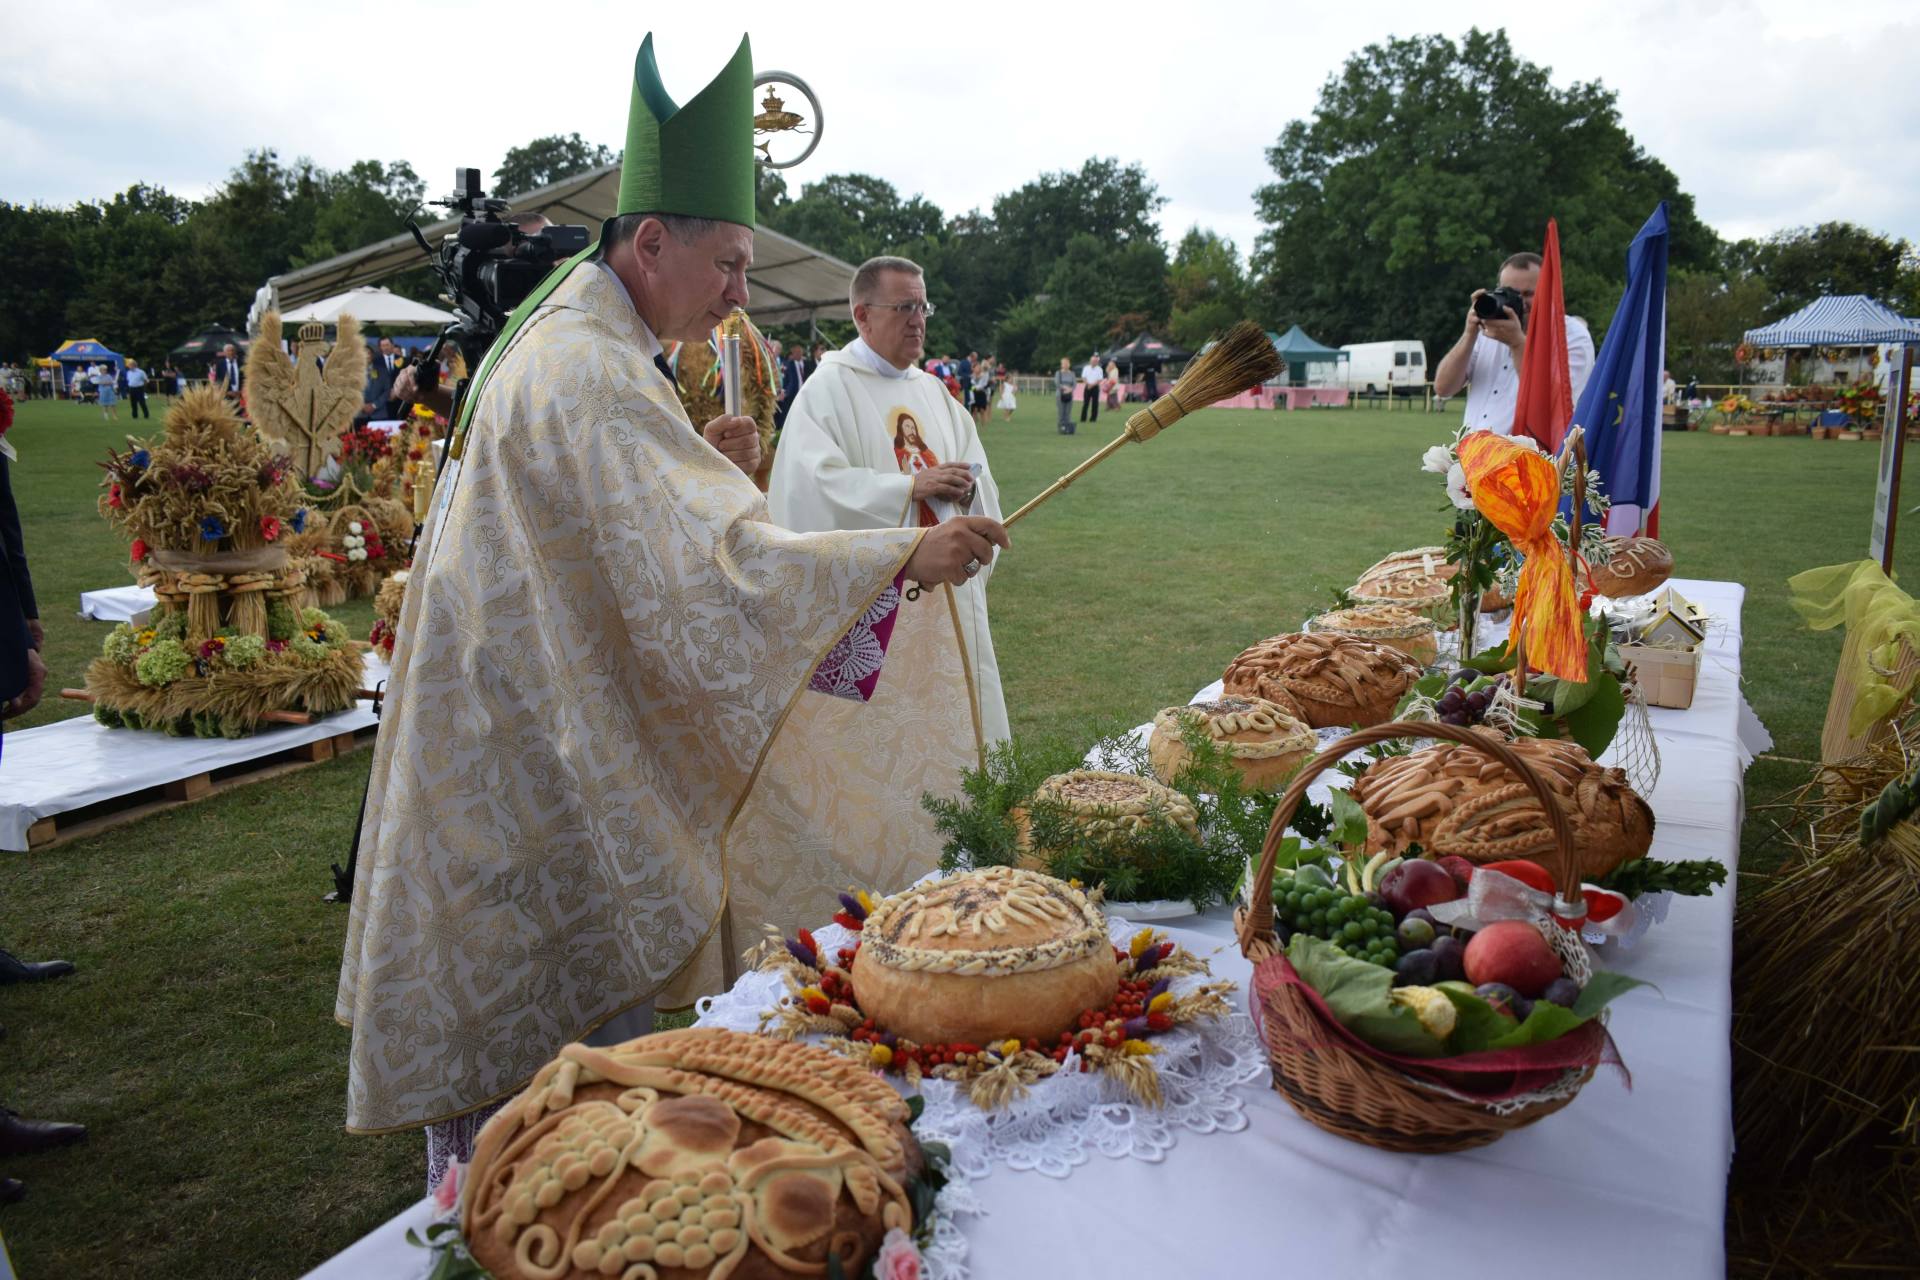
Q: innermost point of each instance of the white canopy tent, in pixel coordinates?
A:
(789, 283)
(369, 304)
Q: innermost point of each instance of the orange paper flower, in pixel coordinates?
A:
(1518, 488)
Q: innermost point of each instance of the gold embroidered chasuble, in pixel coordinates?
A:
(583, 759)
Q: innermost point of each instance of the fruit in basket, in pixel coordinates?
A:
(1414, 933)
(1348, 920)
(1459, 868)
(1453, 957)
(1561, 991)
(1504, 999)
(1512, 952)
(1419, 968)
(1417, 883)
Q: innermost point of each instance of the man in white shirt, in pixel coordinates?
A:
(1091, 376)
(1487, 358)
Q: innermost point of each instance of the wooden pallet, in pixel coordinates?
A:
(120, 810)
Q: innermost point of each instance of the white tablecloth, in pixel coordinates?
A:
(1622, 1185)
(57, 768)
(116, 604)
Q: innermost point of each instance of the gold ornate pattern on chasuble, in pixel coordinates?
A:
(603, 634)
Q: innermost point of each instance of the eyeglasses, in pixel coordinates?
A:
(911, 308)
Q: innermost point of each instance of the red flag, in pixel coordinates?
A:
(1544, 406)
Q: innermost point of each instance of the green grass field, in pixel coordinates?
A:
(198, 1043)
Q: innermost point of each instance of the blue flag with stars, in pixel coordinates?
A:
(1620, 407)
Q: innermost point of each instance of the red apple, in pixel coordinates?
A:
(1416, 883)
(1513, 952)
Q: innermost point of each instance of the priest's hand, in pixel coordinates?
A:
(738, 438)
(949, 482)
(29, 697)
(954, 550)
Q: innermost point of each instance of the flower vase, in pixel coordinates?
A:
(1469, 624)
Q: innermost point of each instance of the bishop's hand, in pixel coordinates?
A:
(738, 438)
(954, 550)
(949, 482)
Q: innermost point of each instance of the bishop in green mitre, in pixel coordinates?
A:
(630, 719)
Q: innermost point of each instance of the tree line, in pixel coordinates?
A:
(1426, 161)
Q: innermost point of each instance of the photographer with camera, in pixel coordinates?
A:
(608, 653)
(1487, 358)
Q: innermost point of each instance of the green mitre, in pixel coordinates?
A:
(695, 160)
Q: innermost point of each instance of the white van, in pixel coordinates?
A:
(1374, 366)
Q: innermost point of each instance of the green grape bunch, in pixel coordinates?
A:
(1350, 921)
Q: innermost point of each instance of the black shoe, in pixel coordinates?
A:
(20, 1136)
(13, 969)
(12, 1191)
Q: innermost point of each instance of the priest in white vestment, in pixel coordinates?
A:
(875, 442)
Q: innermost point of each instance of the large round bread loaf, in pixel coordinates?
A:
(1634, 567)
(690, 1154)
(1323, 678)
(1397, 627)
(984, 956)
(1263, 741)
(1452, 799)
(1419, 579)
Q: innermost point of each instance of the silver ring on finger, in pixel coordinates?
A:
(970, 568)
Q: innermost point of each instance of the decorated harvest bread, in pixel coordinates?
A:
(1418, 579)
(690, 1154)
(1324, 679)
(1452, 799)
(1411, 632)
(984, 956)
(1103, 803)
(1263, 741)
(1635, 567)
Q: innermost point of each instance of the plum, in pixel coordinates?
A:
(1417, 883)
(1420, 968)
(1460, 869)
(1561, 991)
(1453, 957)
(1502, 997)
(1414, 933)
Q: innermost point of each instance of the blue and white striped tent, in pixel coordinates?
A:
(1852, 320)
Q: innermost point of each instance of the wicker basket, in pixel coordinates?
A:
(1327, 1076)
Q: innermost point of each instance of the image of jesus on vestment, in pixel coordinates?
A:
(911, 452)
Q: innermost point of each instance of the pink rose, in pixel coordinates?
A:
(898, 1258)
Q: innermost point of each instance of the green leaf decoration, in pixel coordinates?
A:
(1598, 718)
(1349, 821)
(1356, 993)
(1602, 989)
(915, 1106)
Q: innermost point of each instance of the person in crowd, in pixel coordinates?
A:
(1064, 382)
(980, 398)
(1692, 392)
(105, 377)
(1091, 376)
(20, 1136)
(1008, 400)
(792, 377)
(23, 676)
(46, 382)
(229, 372)
(963, 378)
(137, 391)
(1487, 357)
(1151, 379)
(1112, 383)
(384, 364)
(1669, 389)
(814, 358)
(874, 443)
(645, 639)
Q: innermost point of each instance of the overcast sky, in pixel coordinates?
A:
(1773, 114)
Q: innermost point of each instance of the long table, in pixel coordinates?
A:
(1623, 1183)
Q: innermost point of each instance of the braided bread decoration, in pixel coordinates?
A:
(1410, 632)
(1263, 741)
(690, 1153)
(1451, 799)
(1419, 579)
(1323, 678)
(1634, 567)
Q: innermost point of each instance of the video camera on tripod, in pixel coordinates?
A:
(490, 265)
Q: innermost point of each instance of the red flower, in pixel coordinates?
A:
(139, 550)
(269, 527)
(276, 646)
(209, 648)
(113, 497)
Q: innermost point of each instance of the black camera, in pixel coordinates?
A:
(490, 266)
(1489, 305)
